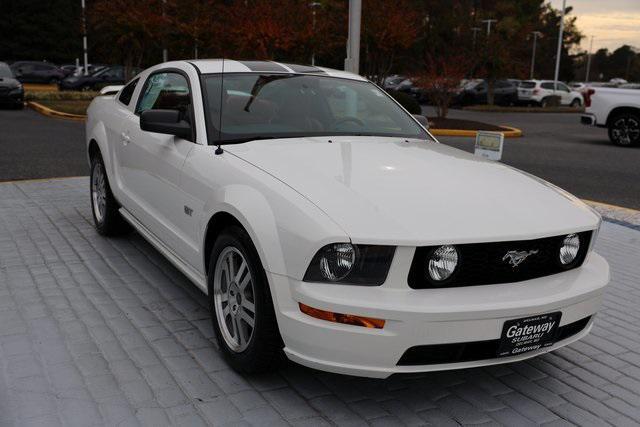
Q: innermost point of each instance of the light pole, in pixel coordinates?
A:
(586, 77)
(536, 34)
(475, 35)
(165, 53)
(314, 5)
(84, 40)
(489, 22)
(560, 36)
(352, 62)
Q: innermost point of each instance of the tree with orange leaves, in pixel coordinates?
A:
(276, 29)
(387, 28)
(127, 28)
(441, 80)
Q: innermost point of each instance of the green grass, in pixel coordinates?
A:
(77, 106)
(522, 109)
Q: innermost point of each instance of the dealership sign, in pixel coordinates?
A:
(489, 145)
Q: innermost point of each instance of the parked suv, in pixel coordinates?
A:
(37, 72)
(539, 91)
(505, 92)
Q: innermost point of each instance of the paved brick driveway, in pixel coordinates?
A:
(97, 331)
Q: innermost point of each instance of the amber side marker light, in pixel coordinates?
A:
(348, 319)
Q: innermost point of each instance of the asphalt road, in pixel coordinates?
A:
(36, 146)
(555, 147)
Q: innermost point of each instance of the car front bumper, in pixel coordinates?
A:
(588, 119)
(426, 317)
(11, 97)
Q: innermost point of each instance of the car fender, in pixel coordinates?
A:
(286, 229)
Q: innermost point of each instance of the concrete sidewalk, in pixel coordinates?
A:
(97, 331)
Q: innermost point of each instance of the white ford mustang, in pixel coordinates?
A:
(325, 222)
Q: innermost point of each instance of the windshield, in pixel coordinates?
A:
(265, 106)
(5, 71)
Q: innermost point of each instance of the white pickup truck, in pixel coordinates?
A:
(616, 109)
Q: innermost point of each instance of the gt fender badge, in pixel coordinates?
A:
(515, 258)
(188, 210)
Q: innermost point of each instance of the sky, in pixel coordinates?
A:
(611, 22)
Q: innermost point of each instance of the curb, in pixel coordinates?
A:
(511, 132)
(53, 113)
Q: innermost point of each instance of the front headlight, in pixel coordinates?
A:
(352, 264)
(569, 249)
(442, 263)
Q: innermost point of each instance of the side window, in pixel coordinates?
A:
(563, 87)
(548, 86)
(166, 91)
(127, 92)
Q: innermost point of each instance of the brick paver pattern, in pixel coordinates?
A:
(97, 331)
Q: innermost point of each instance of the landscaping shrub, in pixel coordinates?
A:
(59, 96)
(407, 101)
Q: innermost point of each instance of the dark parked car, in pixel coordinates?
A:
(37, 72)
(11, 91)
(475, 92)
(103, 77)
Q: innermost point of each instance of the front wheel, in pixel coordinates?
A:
(242, 309)
(104, 206)
(624, 129)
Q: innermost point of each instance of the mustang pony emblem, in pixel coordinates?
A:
(515, 258)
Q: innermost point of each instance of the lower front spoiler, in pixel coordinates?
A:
(379, 372)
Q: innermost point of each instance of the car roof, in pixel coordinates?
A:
(208, 66)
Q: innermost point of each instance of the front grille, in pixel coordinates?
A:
(471, 351)
(484, 263)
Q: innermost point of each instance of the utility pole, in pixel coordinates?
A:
(165, 53)
(560, 37)
(536, 34)
(314, 5)
(586, 77)
(475, 35)
(489, 22)
(84, 39)
(352, 62)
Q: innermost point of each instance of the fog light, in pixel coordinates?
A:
(347, 319)
(569, 249)
(442, 263)
(337, 260)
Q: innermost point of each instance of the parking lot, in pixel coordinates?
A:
(555, 147)
(105, 331)
(97, 331)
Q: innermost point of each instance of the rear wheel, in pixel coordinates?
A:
(576, 103)
(104, 206)
(242, 309)
(624, 129)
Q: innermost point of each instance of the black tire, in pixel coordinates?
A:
(576, 103)
(108, 222)
(624, 129)
(544, 102)
(264, 350)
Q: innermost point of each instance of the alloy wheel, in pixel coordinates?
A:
(99, 192)
(234, 299)
(626, 130)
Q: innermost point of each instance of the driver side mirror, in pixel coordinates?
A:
(422, 120)
(165, 121)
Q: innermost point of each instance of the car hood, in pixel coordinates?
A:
(397, 191)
